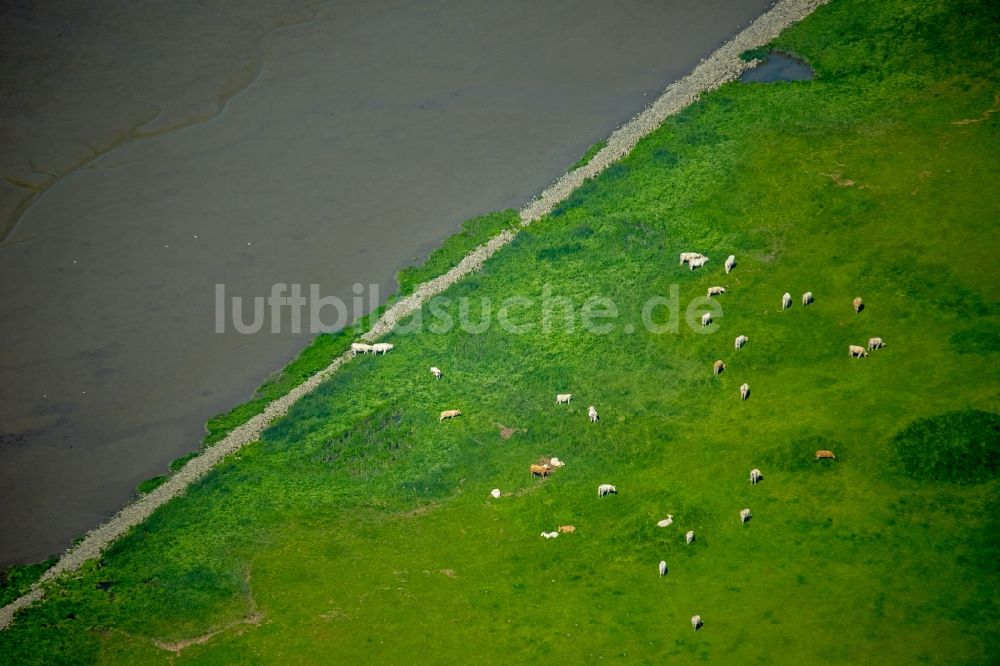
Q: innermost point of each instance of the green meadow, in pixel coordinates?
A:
(361, 529)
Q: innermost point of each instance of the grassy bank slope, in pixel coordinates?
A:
(324, 348)
(361, 528)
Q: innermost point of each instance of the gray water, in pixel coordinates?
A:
(778, 67)
(160, 148)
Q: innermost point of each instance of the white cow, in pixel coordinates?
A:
(730, 262)
(744, 515)
(360, 348)
(697, 262)
(875, 343)
(495, 493)
(563, 398)
(755, 476)
(436, 372)
(786, 301)
(715, 291)
(688, 256)
(740, 341)
(856, 352)
(744, 392)
(706, 319)
(663, 568)
(666, 522)
(718, 367)
(606, 489)
(592, 413)
(696, 622)
(550, 535)
(555, 462)
(689, 537)
(807, 298)
(382, 347)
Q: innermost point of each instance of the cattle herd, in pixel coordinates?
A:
(363, 348)
(544, 467)
(696, 260)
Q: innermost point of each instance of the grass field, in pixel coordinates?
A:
(361, 529)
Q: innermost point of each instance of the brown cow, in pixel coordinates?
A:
(540, 470)
(825, 454)
(718, 367)
(449, 414)
(566, 529)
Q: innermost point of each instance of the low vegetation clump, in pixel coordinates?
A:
(151, 484)
(364, 529)
(474, 233)
(588, 155)
(16, 580)
(961, 447)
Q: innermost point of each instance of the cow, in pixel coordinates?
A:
(716, 291)
(550, 535)
(566, 529)
(730, 262)
(755, 476)
(540, 470)
(823, 453)
(663, 568)
(555, 462)
(382, 347)
(360, 348)
(745, 391)
(875, 343)
(666, 522)
(856, 352)
(858, 304)
(696, 622)
(706, 319)
(449, 414)
(718, 367)
(436, 372)
(786, 301)
(740, 341)
(606, 489)
(807, 298)
(697, 262)
(688, 257)
(592, 414)
(495, 493)
(563, 398)
(689, 537)
(745, 515)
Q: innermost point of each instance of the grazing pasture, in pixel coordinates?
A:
(361, 530)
